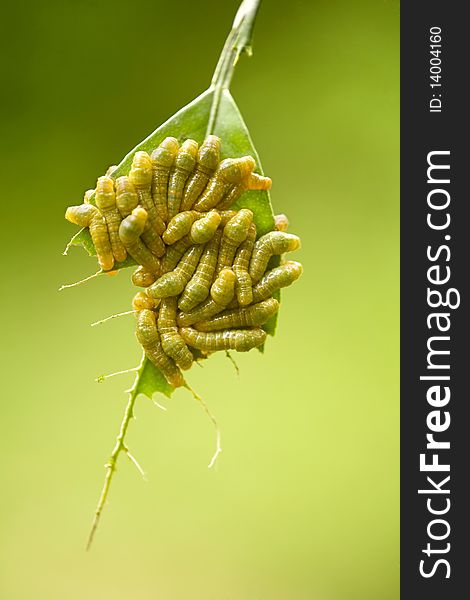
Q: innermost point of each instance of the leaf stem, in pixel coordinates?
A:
(238, 41)
(119, 447)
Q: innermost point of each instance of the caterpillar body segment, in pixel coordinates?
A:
(180, 225)
(197, 290)
(243, 286)
(152, 240)
(172, 342)
(184, 165)
(173, 283)
(230, 172)
(274, 242)
(254, 315)
(240, 340)
(223, 288)
(149, 338)
(143, 278)
(126, 196)
(87, 215)
(208, 158)
(105, 199)
(163, 158)
(235, 232)
(140, 175)
(241, 263)
(130, 230)
(174, 253)
(275, 279)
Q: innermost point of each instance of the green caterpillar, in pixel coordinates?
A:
(240, 340)
(256, 314)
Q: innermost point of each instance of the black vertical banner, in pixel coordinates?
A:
(435, 270)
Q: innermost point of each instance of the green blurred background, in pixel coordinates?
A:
(303, 503)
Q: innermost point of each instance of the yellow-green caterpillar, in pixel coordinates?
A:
(275, 279)
(105, 198)
(130, 230)
(149, 338)
(240, 340)
(87, 215)
(172, 342)
(274, 242)
(256, 314)
(241, 263)
(163, 158)
(126, 196)
(235, 232)
(208, 158)
(198, 287)
(180, 225)
(231, 171)
(184, 165)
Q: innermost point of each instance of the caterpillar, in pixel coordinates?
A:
(241, 263)
(208, 158)
(130, 230)
(179, 226)
(235, 232)
(105, 198)
(141, 176)
(184, 164)
(126, 196)
(87, 215)
(275, 279)
(240, 340)
(162, 159)
(256, 314)
(198, 287)
(274, 242)
(231, 171)
(172, 342)
(149, 338)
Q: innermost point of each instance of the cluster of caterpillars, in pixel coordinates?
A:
(203, 267)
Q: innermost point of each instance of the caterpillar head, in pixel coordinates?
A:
(209, 153)
(203, 229)
(81, 215)
(164, 155)
(142, 301)
(238, 226)
(186, 157)
(141, 170)
(105, 197)
(234, 170)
